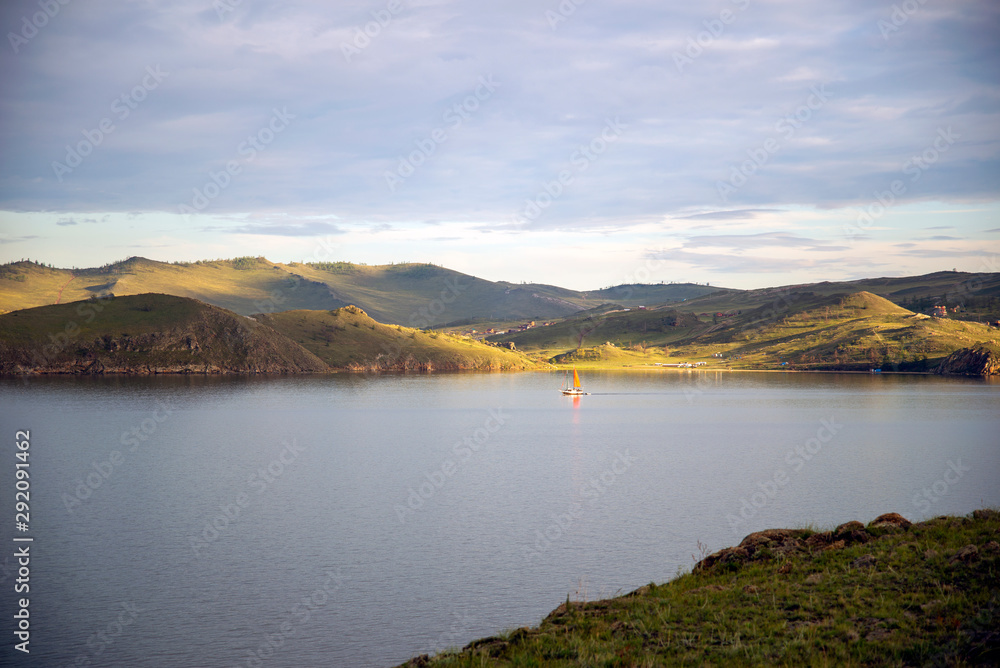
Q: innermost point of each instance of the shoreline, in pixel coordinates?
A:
(8, 374)
(890, 592)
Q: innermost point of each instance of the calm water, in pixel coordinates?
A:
(358, 521)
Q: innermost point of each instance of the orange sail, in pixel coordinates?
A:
(576, 380)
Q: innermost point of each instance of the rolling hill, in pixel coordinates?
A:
(978, 294)
(426, 295)
(805, 330)
(146, 333)
(416, 295)
(348, 338)
(154, 333)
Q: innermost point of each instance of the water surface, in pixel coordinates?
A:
(360, 520)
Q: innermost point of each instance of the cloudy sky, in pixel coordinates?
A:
(582, 143)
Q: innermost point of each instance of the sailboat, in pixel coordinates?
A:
(576, 390)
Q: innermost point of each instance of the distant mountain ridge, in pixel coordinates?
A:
(415, 295)
(426, 295)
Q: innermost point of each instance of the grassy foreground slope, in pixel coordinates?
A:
(146, 333)
(887, 594)
(348, 338)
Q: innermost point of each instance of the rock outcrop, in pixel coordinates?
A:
(783, 543)
(980, 360)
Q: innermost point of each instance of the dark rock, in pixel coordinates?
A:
(821, 539)
(847, 527)
(758, 546)
(864, 561)
(966, 555)
(890, 520)
(979, 360)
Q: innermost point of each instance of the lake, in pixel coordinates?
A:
(351, 520)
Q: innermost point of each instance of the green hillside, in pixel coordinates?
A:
(425, 295)
(418, 295)
(146, 333)
(243, 285)
(348, 338)
(625, 328)
(978, 294)
(153, 333)
(805, 330)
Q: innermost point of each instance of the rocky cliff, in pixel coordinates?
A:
(980, 360)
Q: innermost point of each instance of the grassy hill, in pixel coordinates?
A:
(887, 594)
(153, 333)
(978, 294)
(419, 295)
(856, 331)
(348, 338)
(146, 333)
(805, 330)
(425, 295)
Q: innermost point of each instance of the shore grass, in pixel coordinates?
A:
(882, 595)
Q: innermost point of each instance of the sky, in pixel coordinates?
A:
(580, 143)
